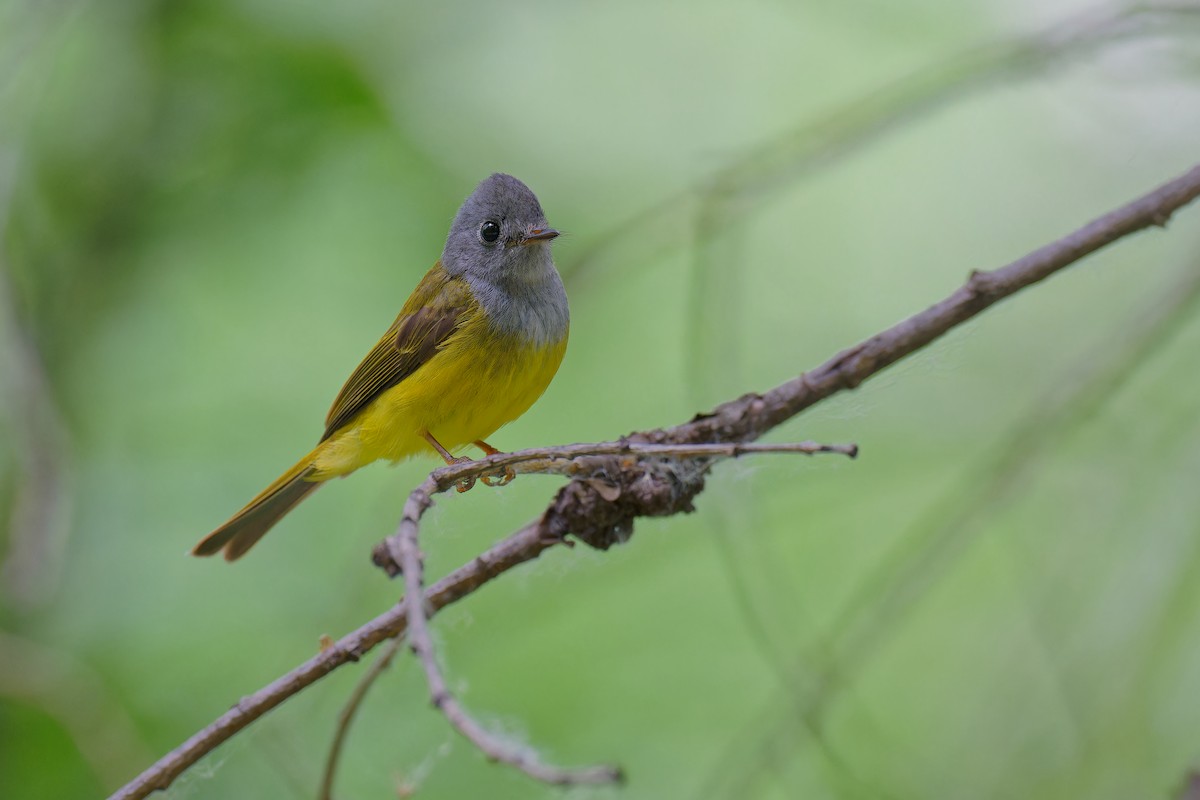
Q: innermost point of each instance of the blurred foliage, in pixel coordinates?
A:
(211, 209)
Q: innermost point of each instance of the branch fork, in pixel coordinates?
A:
(640, 479)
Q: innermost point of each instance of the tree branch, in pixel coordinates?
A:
(752, 415)
(914, 564)
(403, 550)
(349, 710)
(592, 511)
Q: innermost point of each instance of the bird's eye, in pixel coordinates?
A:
(489, 232)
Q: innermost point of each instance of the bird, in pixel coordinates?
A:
(474, 346)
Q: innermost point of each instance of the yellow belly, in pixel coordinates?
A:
(478, 382)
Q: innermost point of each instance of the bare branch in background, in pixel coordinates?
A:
(813, 145)
(40, 517)
(41, 509)
(349, 711)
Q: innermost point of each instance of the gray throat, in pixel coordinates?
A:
(531, 306)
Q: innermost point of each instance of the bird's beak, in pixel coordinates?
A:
(539, 235)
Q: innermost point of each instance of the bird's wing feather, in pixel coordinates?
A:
(437, 307)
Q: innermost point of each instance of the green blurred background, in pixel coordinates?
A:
(211, 210)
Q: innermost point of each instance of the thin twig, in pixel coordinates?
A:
(404, 551)
(562, 459)
(519, 547)
(348, 712)
(409, 556)
(753, 414)
(541, 461)
(748, 417)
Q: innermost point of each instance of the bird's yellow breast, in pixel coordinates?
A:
(478, 381)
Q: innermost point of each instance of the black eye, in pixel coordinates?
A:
(489, 232)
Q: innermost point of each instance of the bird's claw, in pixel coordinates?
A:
(502, 477)
(463, 484)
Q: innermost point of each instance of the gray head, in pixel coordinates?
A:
(500, 235)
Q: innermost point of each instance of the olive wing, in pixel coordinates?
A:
(437, 307)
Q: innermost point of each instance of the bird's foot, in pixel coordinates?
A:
(463, 484)
(501, 477)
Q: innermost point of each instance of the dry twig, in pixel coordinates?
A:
(911, 567)
(402, 550)
(349, 710)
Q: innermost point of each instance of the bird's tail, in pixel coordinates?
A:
(250, 524)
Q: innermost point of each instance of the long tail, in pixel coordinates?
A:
(250, 524)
